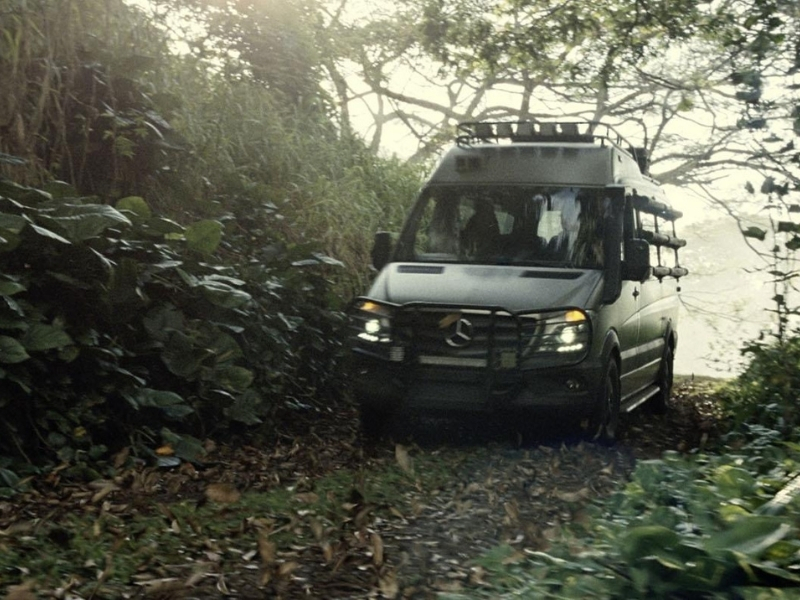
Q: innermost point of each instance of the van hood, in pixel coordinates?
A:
(512, 288)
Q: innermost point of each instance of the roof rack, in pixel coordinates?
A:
(471, 132)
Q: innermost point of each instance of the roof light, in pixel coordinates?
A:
(504, 130)
(569, 128)
(525, 129)
(484, 130)
(547, 128)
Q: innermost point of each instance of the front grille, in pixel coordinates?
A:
(465, 338)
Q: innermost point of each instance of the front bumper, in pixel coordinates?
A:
(387, 386)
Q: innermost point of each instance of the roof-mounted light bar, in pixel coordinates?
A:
(524, 130)
(472, 132)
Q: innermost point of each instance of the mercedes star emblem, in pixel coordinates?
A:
(459, 334)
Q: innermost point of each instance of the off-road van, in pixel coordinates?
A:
(538, 269)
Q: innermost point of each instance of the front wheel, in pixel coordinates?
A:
(373, 421)
(604, 424)
(658, 403)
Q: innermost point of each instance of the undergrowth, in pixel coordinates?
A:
(722, 523)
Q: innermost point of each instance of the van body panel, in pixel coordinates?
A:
(623, 316)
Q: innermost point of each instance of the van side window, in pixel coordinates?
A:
(655, 223)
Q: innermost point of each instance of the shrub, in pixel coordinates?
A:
(115, 323)
(702, 526)
(767, 392)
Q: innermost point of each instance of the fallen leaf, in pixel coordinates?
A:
(512, 510)
(222, 586)
(121, 457)
(327, 551)
(447, 586)
(387, 583)
(477, 575)
(307, 497)
(103, 492)
(317, 529)
(581, 494)
(224, 493)
(267, 550)
(403, 459)
(287, 568)
(377, 549)
(166, 450)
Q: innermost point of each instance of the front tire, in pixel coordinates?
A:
(658, 403)
(373, 422)
(604, 425)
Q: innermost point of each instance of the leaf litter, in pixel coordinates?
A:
(321, 514)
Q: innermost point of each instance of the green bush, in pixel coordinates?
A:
(118, 326)
(703, 526)
(768, 391)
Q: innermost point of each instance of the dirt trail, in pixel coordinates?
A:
(490, 492)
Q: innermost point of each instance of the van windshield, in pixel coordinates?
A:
(509, 225)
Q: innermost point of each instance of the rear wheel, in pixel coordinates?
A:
(604, 425)
(658, 403)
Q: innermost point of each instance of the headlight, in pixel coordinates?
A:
(372, 331)
(556, 338)
(373, 322)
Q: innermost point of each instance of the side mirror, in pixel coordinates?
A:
(381, 249)
(636, 266)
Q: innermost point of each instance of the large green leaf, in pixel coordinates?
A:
(162, 321)
(170, 403)
(223, 294)
(124, 287)
(12, 223)
(9, 287)
(60, 189)
(8, 478)
(136, 205)
(204, 236)
(181, 357)
(750, 536)
(224, 346)
(40, 337)
(647, 540)
(46, 233)
(21, 193)
(81, 222)
(246, 408)
(185, 446)
(163, 227)
(234, 378)
(11, 351)
(734, 482)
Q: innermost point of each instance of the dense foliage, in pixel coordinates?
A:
(177, 240)
(118, 326)
(703, 526)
